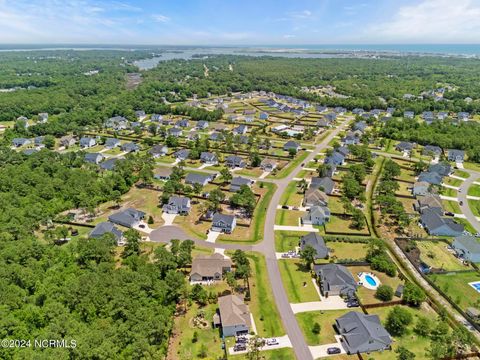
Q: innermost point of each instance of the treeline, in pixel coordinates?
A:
(447, 135)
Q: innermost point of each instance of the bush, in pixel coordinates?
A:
(413, 295)
(384, 293)
(397, 321)
(316, 328)
(150, 220)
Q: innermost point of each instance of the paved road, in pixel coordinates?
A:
(267, 247)
(462, 196)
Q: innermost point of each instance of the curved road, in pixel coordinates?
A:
(462, 196)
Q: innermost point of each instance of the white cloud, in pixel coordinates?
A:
(439, 21)
(304, 14)
(288, 36)
(160, 18)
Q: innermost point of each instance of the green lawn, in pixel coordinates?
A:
(416, 344)
(278, 354)
(471, 166)
(346, 250)
(325, 319)
(287, 240)
(467, 225)
(461, 173)
(474, 206)
(339, 224)
(452, 181)
(435, 254)
(262, 304)
(294, 275)
(291, 196)
(448, 192)
(474, 190)
(335, 205)
(301, 156)
(288, 217)
(451, 206)
(456, 286)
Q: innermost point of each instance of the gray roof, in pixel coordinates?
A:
(239, 181)
(104, 228)
(442, 169)
(317, 242)
(235, 160)
(434, 223)
(291, 145)
(324, 183)
(208, 156)
(158, 149)
(334, 275)
(131, 146)
(430, 177)
(182, 154)
(362, 333)
(223, 218)
(404, 146)
(469, 242)
(111, 142)
(93, 157)
(454, 153)
(180, 203)
(315, 197)
(109, 164)
(195, 178)
(336, 158)
(86, 141)
(127, 217)
(437, 150)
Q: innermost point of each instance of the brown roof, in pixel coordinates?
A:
(209, 265)
(315, 196)
(164, 171)
(233, 311)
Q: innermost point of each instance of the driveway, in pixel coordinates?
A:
(212, 236)
(295, 228)
(462, 196)
(320, 351)
(168, 218)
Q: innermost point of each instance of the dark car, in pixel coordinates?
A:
(461, 202)
(351, 304)
(333, 350)
(449, 213)
(285, 207)
(303, 164)
(239, 347)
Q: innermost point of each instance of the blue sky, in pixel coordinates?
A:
(240, 22)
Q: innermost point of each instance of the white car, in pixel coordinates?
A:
(271, 342)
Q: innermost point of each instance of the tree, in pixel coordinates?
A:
(231, 281)
(215, 198)
(398, 320)
(203, 352)
(164, 260)
(308, 255)
(242, 264)
(413, 295)
(384, 293)
(358, 219)
(255, 343)
(184, 255)
(316, 328)
(404, 354)
(49, 141)
(423, 326)
(323, 170)
(255, 159)
(171, 141)
(132, 246)
(226, 175)
(244, 198)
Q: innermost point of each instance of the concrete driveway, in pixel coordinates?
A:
(168, 218)
(295, 228)
(320, 351)
(212, 236)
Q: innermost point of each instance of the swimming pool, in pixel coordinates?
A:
(475, 285)
(370, 280)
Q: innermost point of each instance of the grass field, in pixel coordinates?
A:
(474, 206)
(287, 240)
(461, 173)
(448, 192)
(294, 275)
(288, 217)
(367, 296)
(291, 196)
(416, 344)
(325, 319)
(435, 254)
(291, 165)
(471, 166)
(474, 190)
(467, 225)
(456, 286)
(278, 354)
(262, 304)
(451, 206)
(346, 250)
(339, 224)
(452, 181)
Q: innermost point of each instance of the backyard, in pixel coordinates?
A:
(457, 288)
(326, 320)
(436, 255)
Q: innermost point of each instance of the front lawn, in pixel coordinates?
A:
(452, 181)
(287, 240)
(457, 288)
(288, 217)
(294, 275)
(462, 174)
(448, 192)
(326, 320)
(277, 354)
(474, 190)
(291, 196)
(474, 206)
(451, 206)
(343, 225)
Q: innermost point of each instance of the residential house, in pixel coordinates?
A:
(67, 141)
(111, 143)
(335, 280)
(428, 117)
(158, 150)
(463, 116)
(325, 184)
(156, 117)
(336, 158)
(42, 117)
(208, 158)
(323, 123)
(233, 316)
(404, 146)
(182, 154)
(177, 205)
(432, 150)
(129, 217)
(182, 123)
(249, 112)
(315, 197)
(109, 164)
(315, 241)
(467, 248)
(38, 141)
(359, 126)
(268, 164)
(291, 145)
(163, 173)
(442, 115)
(437, 225)
(94, 158)
(87, 142)
(209, 267)
(216, 136)
(358, 111)
(240, 130)
(263, 116)
(117, 123)
(223, 223)
(362, 333)
(202, 125)
(421, 188)
(317, 215)
(442, 169)
(175, 132)
(140, 114)
(433, 178)
(456, 155)
(107, 227)
(331, 117)
(130, 147)
(19, 142)
(351, 139)
(408, 114)
(234, 161)
(195, 178)
(238, 181)
(429, 201)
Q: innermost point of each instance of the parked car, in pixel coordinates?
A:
(271, 342)
(353, 303)
(285, 207)
(333, 350)
(241, 339)
(449, 213)
(240, 347)
(460, 202)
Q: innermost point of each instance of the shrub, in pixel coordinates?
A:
(316, 328)
(384, 293)
(397, 321)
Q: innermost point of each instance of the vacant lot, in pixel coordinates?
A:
(294, 276)
(326, 320)
(291, 196)
(435, 254)
(288, 217)
(474, 190)
(457, 288)
(287, 240)
(341, 225)
(346, 250)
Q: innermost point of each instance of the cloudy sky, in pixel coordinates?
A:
(240, 22)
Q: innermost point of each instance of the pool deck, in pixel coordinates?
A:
(364, 281)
